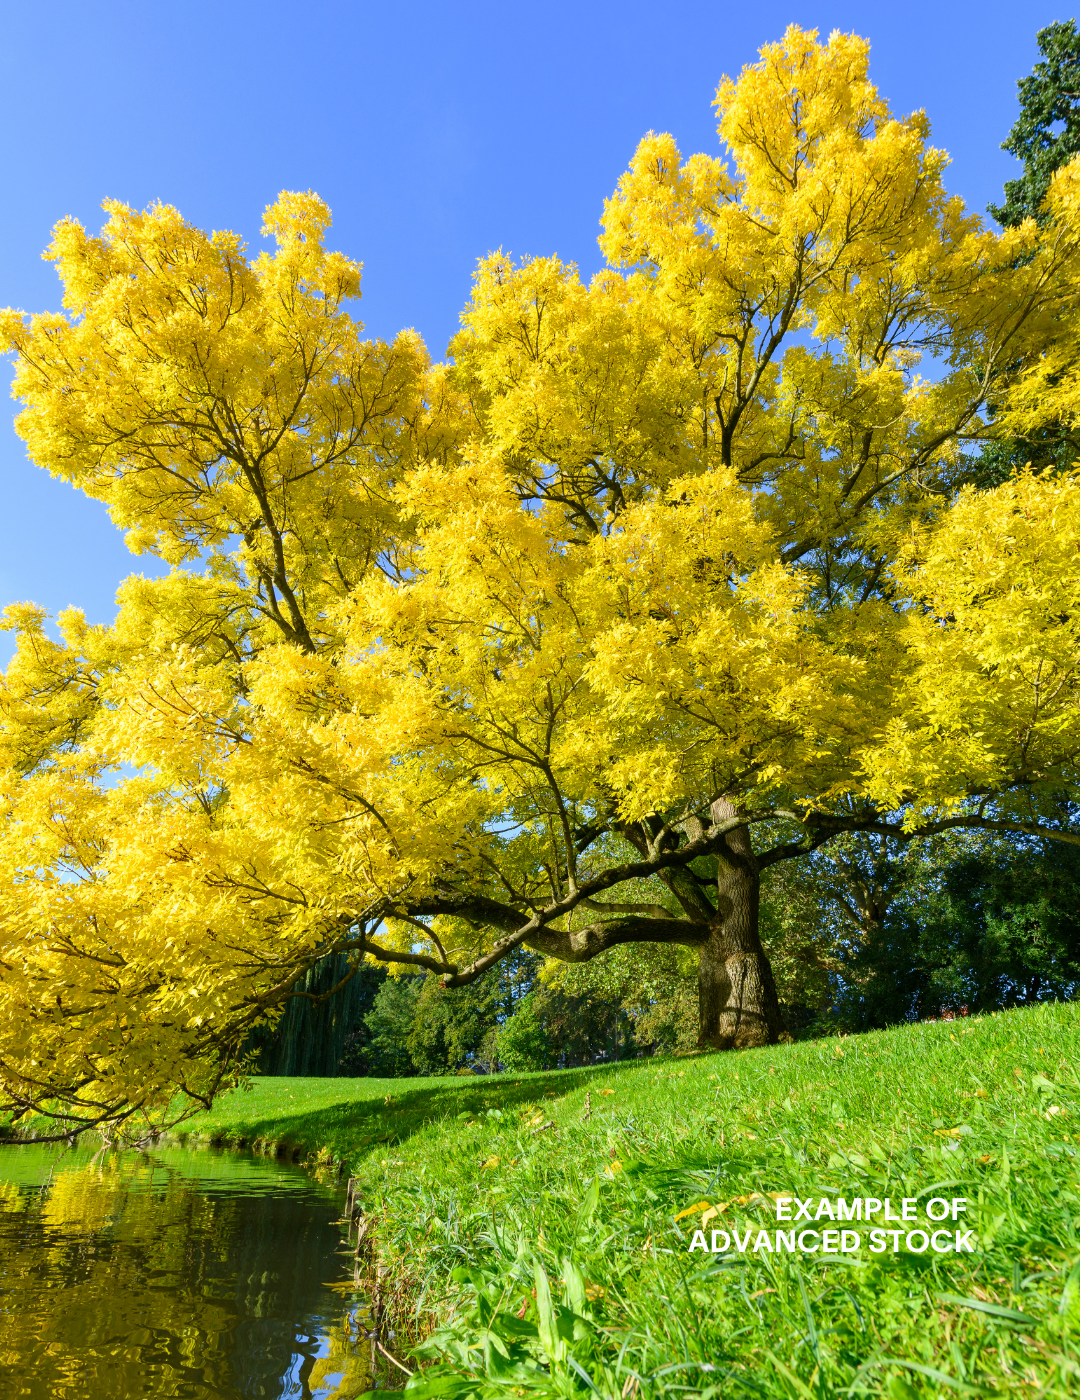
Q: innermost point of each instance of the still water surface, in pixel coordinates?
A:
(172, 1273)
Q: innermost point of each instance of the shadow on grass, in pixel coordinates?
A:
(353, 1127)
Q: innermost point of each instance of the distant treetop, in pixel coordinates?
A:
(1047, 133)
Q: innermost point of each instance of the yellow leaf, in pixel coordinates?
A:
(692, 1210)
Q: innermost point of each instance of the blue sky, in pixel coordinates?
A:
(436, 132)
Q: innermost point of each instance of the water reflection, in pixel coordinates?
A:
(176, 1273)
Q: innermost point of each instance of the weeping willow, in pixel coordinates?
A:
(310, 1037)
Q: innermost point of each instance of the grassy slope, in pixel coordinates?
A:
(475, 1210)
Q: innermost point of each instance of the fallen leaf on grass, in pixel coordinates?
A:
(693, 1210)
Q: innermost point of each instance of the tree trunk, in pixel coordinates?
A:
(737, 1000)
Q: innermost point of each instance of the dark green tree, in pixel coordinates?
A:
(1045, 136)
(383, 1043)
(1008, 924)
(638, 997)
(978, 923)
(453, 1027)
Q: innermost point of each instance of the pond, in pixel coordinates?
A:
(174, 1273)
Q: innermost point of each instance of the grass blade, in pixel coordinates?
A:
(993, 1309)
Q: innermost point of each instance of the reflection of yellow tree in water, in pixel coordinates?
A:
(97, 1309)
(11, 1198)
(117, 1290)
(345, 1367)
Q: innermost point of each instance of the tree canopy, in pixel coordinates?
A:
(657, 581)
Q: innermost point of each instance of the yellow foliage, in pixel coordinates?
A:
(993, 641)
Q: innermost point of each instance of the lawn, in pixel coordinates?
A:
(536, 1229)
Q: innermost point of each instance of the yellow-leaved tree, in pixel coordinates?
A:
(658, 581)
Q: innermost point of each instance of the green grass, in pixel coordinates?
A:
(549, 1261)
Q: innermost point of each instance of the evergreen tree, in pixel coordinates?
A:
(388, 1026)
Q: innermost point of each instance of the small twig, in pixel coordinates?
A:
(394, 1359)
(588, 1104)
(544, 1127)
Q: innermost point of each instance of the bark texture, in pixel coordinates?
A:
(737, 999)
